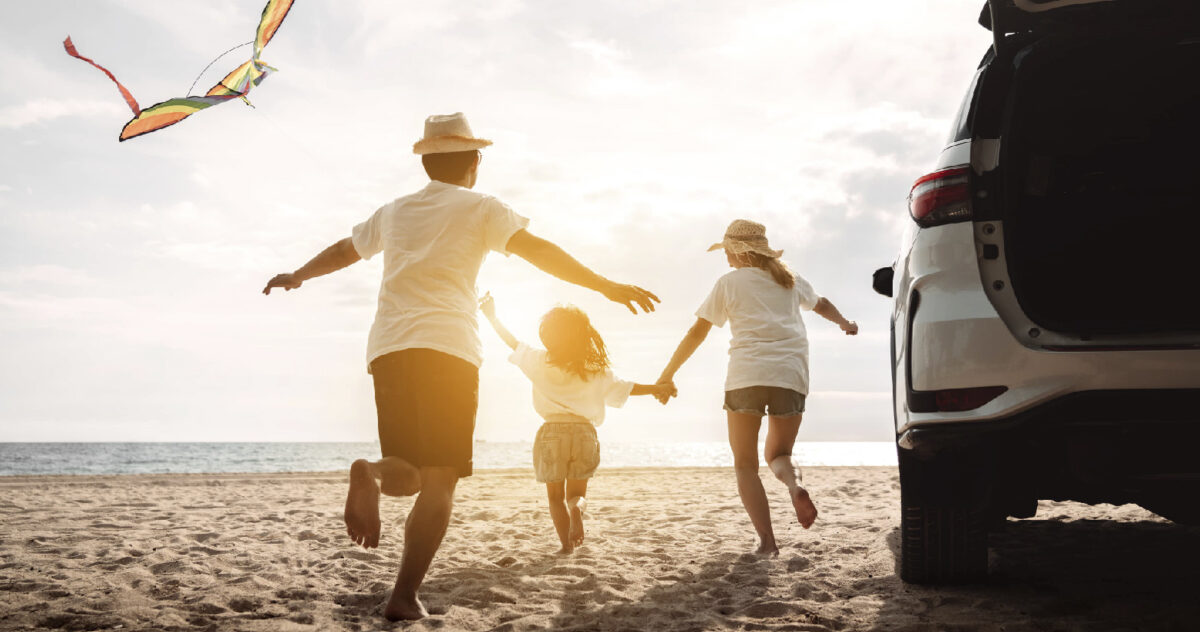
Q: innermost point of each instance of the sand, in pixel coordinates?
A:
(666, 550)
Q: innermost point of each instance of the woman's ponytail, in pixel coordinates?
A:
(779, 270)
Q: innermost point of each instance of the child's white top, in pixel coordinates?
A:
(558, 392)
(770, 344)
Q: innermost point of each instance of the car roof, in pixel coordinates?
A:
(1015, 16)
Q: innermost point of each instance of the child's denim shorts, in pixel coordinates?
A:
(765, 400)
(565, 450)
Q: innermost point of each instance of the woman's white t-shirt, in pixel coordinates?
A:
(558, 392)
(770, 344)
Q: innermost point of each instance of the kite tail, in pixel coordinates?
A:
(133, 104)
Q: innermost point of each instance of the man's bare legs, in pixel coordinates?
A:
(396, 477)
(743, 440)
(781, 437)
(577, 504)
(423, 532)
(557, 498)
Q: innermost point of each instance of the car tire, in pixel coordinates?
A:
(943, 522)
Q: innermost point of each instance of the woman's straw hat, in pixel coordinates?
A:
(744, 236)
(446, 133)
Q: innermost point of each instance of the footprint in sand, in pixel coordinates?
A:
(797, 564)
(769, 610)
(811, 593)
(243, 604)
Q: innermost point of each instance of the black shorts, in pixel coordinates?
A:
(426, 402)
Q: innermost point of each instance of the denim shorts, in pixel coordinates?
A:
(765, 400)
(565, 451)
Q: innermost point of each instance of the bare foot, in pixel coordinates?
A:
(806, 511)
(362, 506)
(577, 505)
(400, 608)
(566, 550)
(767, 550)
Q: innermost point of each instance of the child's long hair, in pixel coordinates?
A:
(572, 344)
(779, 270)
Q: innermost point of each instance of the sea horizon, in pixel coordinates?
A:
(230, 457)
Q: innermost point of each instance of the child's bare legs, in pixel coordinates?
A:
(396, 477)
(556, 495)
(743, 440)
(577, 504)
(781, 436)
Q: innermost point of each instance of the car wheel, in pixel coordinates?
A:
(943, 521)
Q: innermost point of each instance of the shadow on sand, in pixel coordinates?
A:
(1055, 575)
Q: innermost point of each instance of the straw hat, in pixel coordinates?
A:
(445, 133)
(743, 236)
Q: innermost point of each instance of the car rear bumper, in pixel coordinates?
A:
(1094, 446)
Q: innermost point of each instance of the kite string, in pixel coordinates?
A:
(189, 91)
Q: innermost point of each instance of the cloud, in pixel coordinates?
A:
(43, 110)
(45, 274)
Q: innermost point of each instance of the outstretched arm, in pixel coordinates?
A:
(691, 341)
(488, 306)
(829, 312)
(332, 259)
(553, 260)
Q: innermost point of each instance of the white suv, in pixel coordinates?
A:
(1046, 326)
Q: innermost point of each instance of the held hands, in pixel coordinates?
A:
(629, 295)
(851, 328)
(664, 391)
(287, 281)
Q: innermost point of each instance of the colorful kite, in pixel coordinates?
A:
(235, 85)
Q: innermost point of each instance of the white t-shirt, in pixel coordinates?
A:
(769, 345)
(433, 243)
(558, 392)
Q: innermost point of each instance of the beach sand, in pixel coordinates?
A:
(666, 549)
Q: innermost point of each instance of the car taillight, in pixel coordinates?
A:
(940, 198)
(952, 400)
(959, 399)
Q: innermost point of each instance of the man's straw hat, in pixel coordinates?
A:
(744, 236)
(446, 133)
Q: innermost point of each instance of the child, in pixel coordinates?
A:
(571, 385)
(768, 365)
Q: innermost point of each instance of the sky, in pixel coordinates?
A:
(630, 133)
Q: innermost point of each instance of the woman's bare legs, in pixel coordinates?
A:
(781, 437)
(577, 504)
(743, 440)
(556, 496)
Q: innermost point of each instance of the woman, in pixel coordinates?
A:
(768, 365)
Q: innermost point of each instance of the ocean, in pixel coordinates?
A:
(159, 458)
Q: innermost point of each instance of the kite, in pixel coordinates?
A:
(234, 85)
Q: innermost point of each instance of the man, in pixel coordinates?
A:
(423, 350)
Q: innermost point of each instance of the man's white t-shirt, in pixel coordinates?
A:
(770, 344)
(433, 243)
(558, 392)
